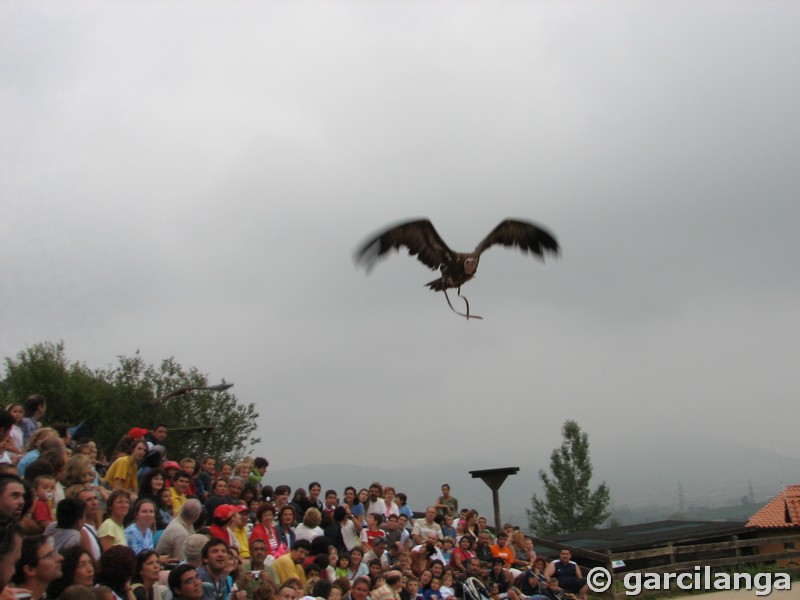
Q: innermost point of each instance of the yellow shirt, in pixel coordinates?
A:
(286, 569)
(244, 546)
(177, 501)
(124, 468)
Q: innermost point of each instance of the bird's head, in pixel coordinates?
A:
(470, 265)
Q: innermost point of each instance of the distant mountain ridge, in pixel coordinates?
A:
(690, 471)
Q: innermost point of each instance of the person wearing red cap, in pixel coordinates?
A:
(137, 433)
(223, 515)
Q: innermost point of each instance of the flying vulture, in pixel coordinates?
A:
(457, 268)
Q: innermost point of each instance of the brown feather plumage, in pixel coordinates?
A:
(457, 268)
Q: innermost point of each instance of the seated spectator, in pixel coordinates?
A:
(34, 406)
(423, 527)
(237, 527)
(461, 554)
(77, 568)
(34, 447)
(500, 581)
(139, 534)
(214, 572)
(10, 547)
(568, 574)
(356, 568)
(66, 530)
(179, 489)
(43, 490)
(185, 583)
(145, 577)
(265, 529)
(290, 565)
(181, 527)
(533, 581)
(285, 526)
(115, 570)
(122, 474)
(38, 566)
(193, 549)
(310, 527)
(112, 530)
(502, 550)
(223, 515)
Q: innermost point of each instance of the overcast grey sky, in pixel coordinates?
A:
(190, 179)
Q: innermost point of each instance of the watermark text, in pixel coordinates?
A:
(699, 579)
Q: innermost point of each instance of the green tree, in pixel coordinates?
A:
(569, 505)
(114, 399)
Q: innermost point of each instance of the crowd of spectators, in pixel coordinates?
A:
(144, 526)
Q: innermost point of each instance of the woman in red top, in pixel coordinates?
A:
(460, 556)
(265, 529)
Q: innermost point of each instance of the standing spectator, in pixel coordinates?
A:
(35, 406)
(446, 504)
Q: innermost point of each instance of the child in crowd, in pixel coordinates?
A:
(373, 529)
(342, 565)
(446, 590)
(44, 489)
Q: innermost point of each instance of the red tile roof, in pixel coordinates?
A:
(782, 511)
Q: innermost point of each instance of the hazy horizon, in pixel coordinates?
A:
(190, 180)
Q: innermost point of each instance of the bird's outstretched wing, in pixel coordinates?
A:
(419, 237)
(527, 236)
